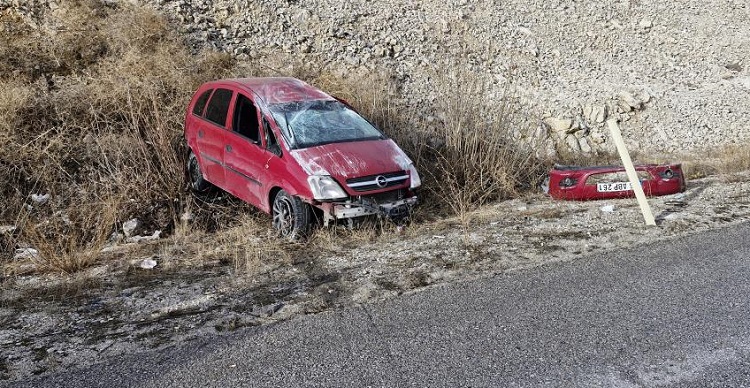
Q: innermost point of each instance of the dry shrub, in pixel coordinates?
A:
(728, 160)
(734, 158)
(92, 105)
(92, 99)
(468, 155)
(72, 241)
(249, 246)
(471, 154)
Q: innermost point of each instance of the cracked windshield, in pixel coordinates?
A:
(313, 123)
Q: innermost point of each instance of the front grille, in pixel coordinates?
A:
(369, 183)
(387, 197)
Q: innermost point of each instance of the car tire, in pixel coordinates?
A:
(292, 218)
(195, 176)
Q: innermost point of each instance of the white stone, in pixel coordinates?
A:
(40, 199)
(558, 124)
(129, 226)
(584, 145)
(139, 239)
(628, 102)
(598, 138)
(587, 112)
(26, 253)
(598, 114)
(572, 142)
(148, 263)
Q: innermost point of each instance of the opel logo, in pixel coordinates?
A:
(381, 181)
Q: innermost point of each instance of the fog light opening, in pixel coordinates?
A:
(567, 182)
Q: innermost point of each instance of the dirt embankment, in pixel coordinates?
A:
(678, 74)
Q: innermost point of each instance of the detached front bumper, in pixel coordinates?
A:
(608, 182)
(363, 206)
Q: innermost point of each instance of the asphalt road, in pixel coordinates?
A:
(675, 313)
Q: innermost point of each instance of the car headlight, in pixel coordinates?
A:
(415, 180)
(324, 187)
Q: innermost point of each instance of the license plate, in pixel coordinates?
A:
(614, 186)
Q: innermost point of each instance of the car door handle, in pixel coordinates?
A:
(228, 148)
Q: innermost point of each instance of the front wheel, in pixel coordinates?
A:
(292, 218)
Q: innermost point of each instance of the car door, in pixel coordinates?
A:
(211, 132)
(244, 152)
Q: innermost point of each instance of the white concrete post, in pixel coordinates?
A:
(614, 129)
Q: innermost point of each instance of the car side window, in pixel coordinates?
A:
(200, 103)
(245, 120)
(219, 106)
(271, 143)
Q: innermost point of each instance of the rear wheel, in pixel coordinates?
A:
(197, 183)
(292, 218)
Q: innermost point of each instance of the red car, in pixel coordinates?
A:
(606, 182)
(295, 152)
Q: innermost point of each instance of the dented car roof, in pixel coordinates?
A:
(279, 90)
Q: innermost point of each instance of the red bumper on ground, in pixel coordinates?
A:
(607, 182)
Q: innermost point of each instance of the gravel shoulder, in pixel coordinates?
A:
(52, 322)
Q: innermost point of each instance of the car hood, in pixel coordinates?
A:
(352, 159)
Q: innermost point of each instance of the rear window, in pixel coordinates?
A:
(201, 102)
(219, 106)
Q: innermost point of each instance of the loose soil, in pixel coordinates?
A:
(54, 322)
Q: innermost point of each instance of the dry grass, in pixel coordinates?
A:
(467, 155)
(733, 159)
(726, 160)
(91, 113)
(92, 98)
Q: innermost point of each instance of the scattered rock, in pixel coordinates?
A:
(734, 66)
(558, 124)
(608, 208)
(598, 138)
(116, 237)
(572, 143)
(7, 229)
(148, 263)
(598, 114)
(583, 144)
(139, 239)
(40, 199)
(645, 24)
(629, 101)
(129, 227)
(26, 253)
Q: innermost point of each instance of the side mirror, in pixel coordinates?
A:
(275, 149)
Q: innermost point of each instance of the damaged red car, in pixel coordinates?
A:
(607, 182)
(295, 152)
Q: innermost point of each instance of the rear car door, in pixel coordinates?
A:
(211, 133)
(244, 152)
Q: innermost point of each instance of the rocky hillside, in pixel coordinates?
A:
(676, 72)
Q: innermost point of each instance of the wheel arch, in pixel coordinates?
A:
(272, 195)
